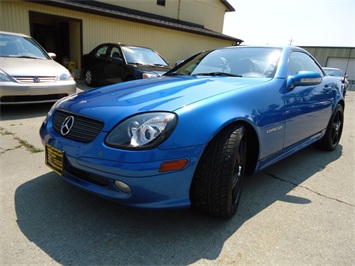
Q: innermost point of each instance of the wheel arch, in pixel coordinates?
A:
(342, 103)
(253, 148)
(252, 142)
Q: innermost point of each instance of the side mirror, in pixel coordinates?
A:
(303, 78)
(52, 55)
(178, 62)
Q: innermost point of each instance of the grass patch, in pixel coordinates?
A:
(5, 132)
(28, 146)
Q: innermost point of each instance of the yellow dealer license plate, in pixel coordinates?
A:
(54, 159)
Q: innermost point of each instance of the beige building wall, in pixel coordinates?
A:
(149, 6)
(14, 16)
(173, 45)
(208, 13)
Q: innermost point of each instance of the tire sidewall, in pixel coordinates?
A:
(233, 204)
(329, 135)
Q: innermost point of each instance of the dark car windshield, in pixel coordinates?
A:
(142, 56)
(251, 62)
(22, 47)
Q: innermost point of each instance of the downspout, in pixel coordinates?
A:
(178, 11)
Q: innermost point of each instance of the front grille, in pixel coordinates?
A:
(35, 79)
(84, 129)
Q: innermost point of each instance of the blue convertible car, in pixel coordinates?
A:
(190, 137)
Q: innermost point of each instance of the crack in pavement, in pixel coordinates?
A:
(23, 143)
(313, 191)
(4, 151)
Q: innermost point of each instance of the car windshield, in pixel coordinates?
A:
(334, 72)
(142, 56)
(21, 47)
(236, 62)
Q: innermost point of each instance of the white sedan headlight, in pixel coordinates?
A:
(150, 75)
(66, 76)
(143, 131)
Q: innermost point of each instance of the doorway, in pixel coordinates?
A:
(59, 35)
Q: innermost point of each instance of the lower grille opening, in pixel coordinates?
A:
(86, 176)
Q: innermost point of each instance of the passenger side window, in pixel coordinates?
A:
(300, 61)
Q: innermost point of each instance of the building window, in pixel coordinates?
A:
(161, 2)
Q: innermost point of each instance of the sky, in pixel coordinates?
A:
(297, 22)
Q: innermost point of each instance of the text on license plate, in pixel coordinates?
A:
(54, 159)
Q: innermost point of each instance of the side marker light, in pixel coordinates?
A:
(173, 165)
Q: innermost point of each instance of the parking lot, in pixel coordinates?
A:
(300, 211)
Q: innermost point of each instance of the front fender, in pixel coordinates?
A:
(201, 121)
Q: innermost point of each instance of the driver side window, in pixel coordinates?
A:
(115, 52)
(300, 61)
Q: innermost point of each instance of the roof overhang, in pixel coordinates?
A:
(229, 7)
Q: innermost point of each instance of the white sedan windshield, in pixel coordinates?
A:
(17, 46)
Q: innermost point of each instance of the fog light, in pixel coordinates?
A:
(122, 187)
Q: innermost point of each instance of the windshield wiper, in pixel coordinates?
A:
(22, 56)
(30, 57)
(218, 74)
(155, 65)
(175, 74)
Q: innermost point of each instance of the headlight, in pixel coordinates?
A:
(143, 131)
(150, 75)
(66, 76)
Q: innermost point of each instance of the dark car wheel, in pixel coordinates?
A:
(217, 185)
(334, 130)
(89, 78)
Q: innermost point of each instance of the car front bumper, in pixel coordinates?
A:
(148, 188)
(17, 93)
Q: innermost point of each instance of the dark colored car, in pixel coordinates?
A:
(191, 136)
(111, 63)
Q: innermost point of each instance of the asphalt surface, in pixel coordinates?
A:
(300, 211)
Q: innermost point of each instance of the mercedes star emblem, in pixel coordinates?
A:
(67, 125)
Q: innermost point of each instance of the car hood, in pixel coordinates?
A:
(30, 67)
(113, 103)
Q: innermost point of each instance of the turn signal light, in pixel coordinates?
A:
(173, 165)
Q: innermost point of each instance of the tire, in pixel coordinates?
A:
(217, 185)
(89, 78)
(334, 130)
